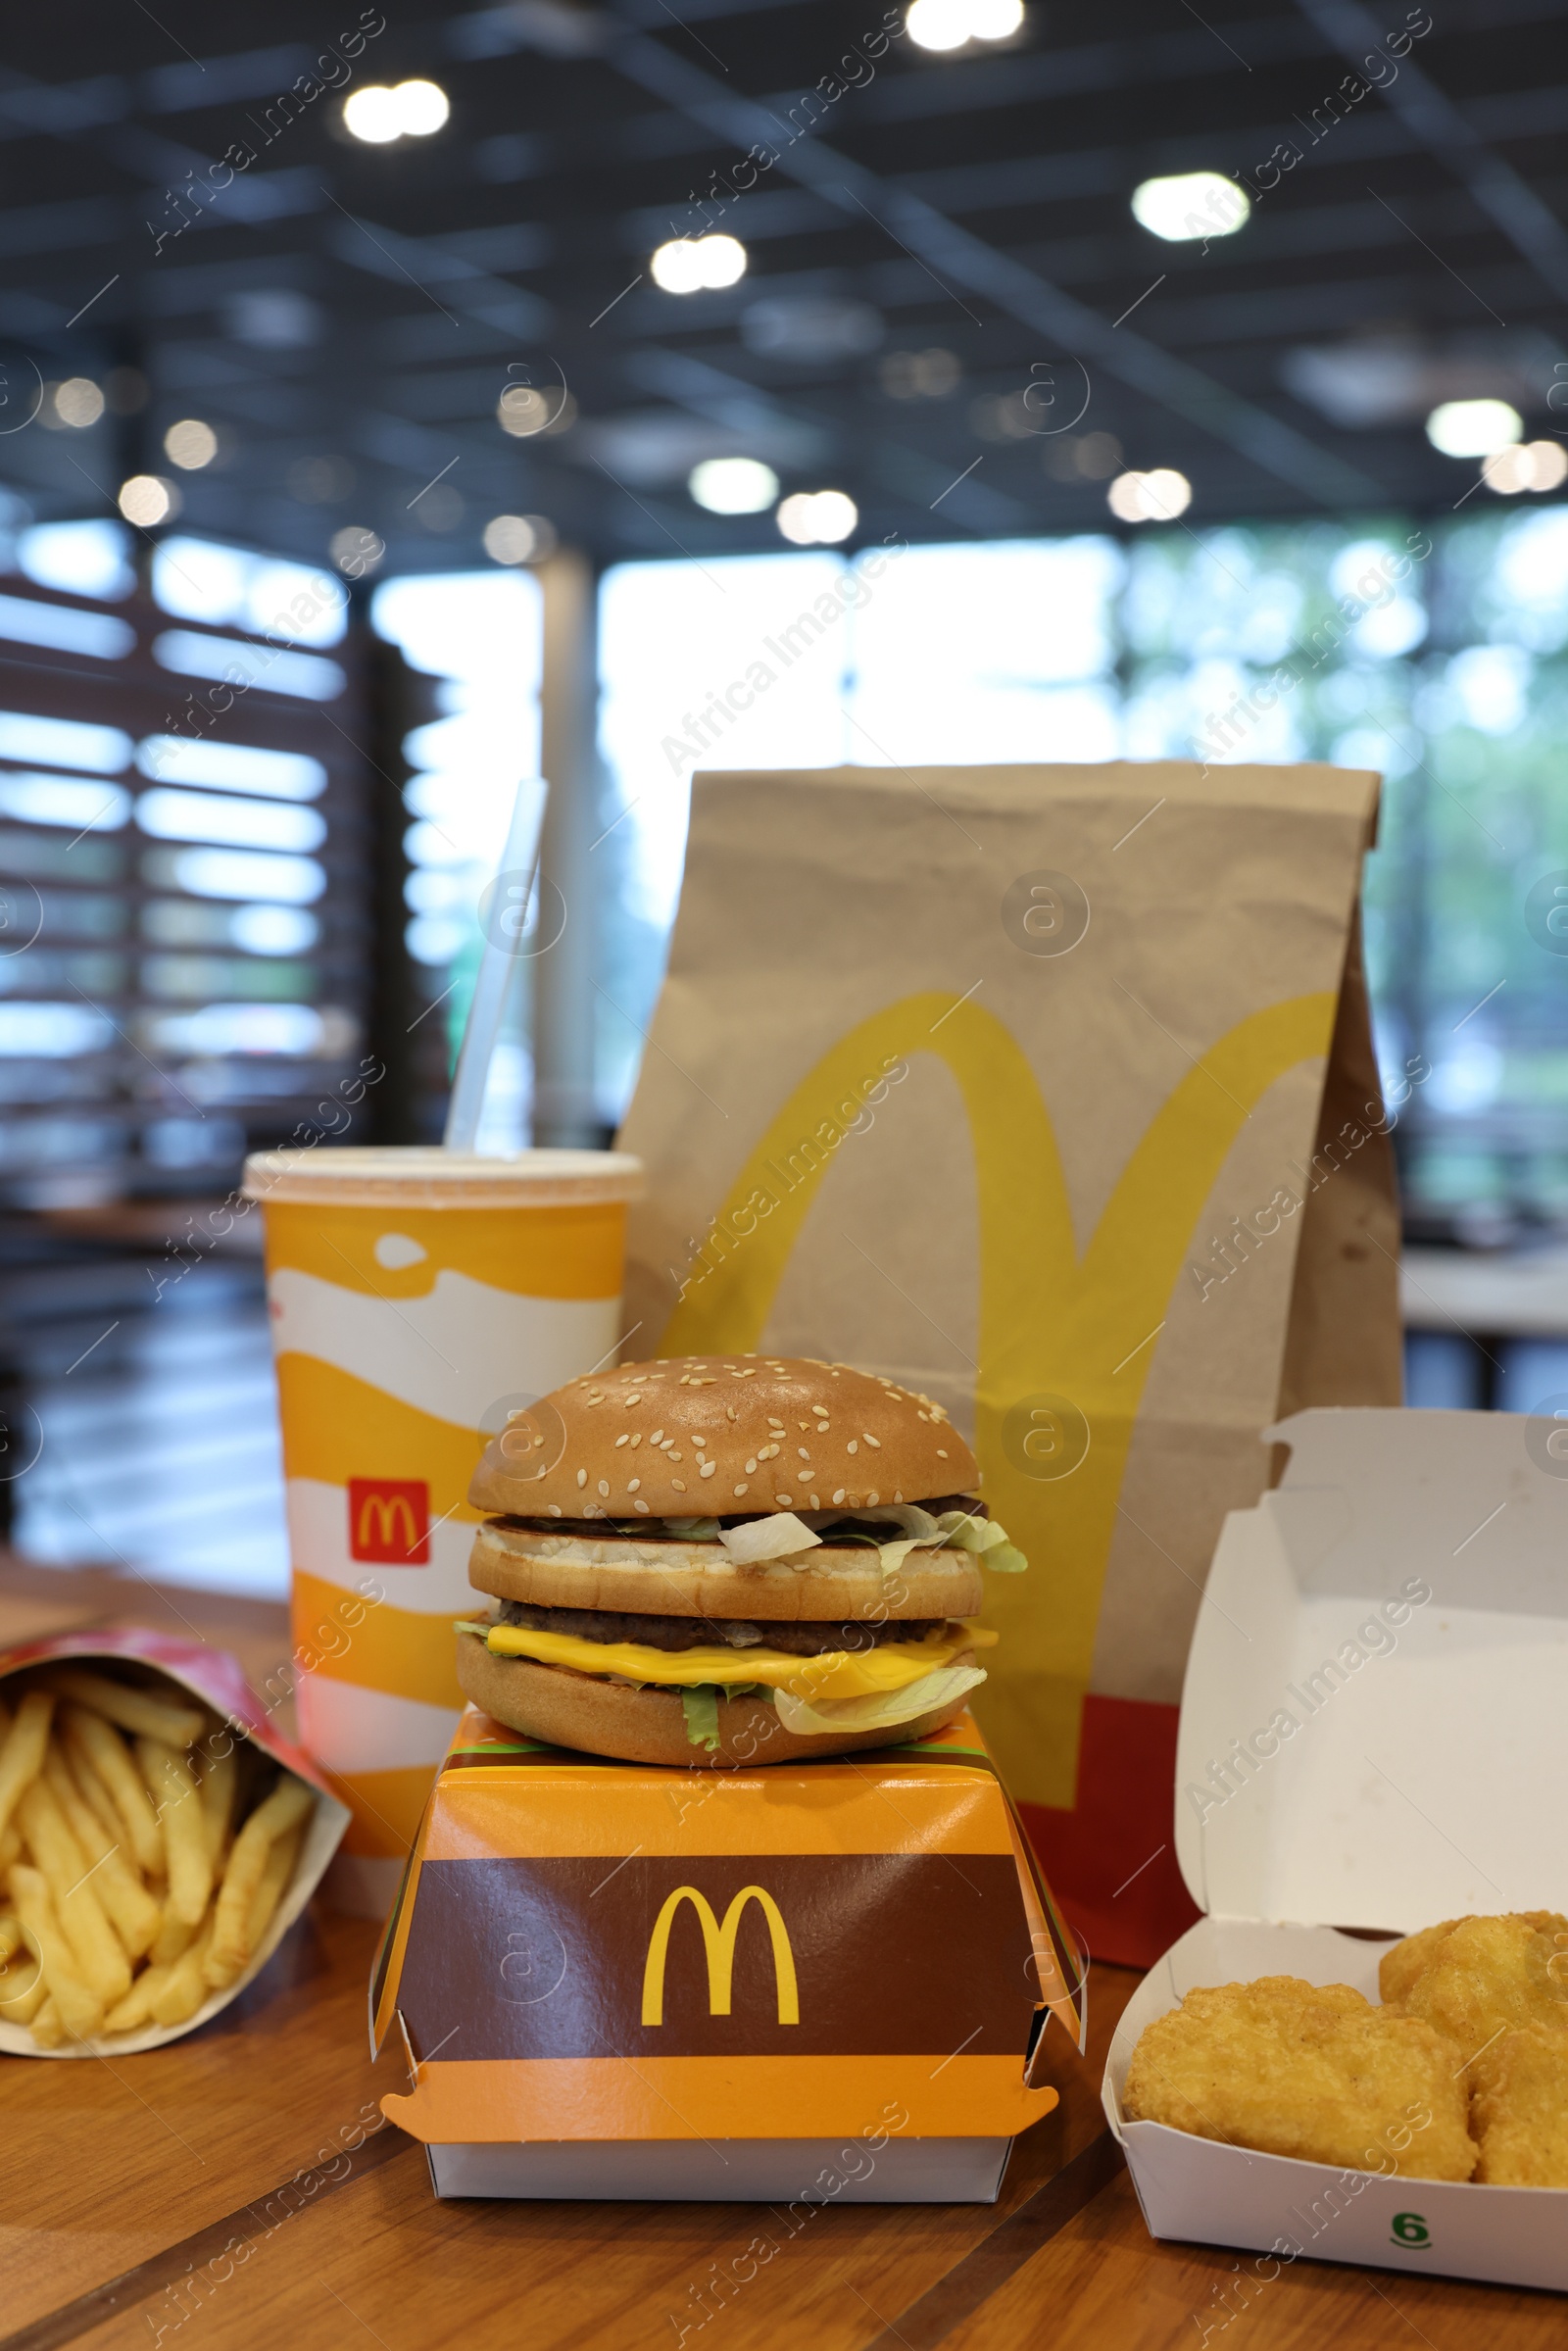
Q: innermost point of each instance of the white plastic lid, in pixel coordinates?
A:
(424, 1176)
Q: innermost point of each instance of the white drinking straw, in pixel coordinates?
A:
(504, 948)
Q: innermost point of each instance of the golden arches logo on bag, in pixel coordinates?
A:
(1065, 1341)
(718, 1952)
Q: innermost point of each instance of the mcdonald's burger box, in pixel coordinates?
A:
(1372, 1734)
(827, 1979)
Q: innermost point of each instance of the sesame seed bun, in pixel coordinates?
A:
(712, 1436)
(831, 1584)
(598, 1717)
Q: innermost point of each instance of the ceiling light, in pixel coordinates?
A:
(1474, 428)
(377, 115)
(522, 412)
(1157, 497)
(1191, 203)
(949, 23)
(78, 402)
(518, 538)
(356, 550)
(1535, 465)
(145, 500)
(733, 485)
(190, 444)
(818, 518)
(423, 105)
(693, 265)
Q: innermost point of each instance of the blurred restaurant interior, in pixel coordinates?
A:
(453, 398)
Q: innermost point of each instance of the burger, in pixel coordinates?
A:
(731, 1559)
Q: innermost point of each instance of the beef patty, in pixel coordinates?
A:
(677, 1633)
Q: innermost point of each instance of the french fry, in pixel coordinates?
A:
(105, 1752)
(10, 1847)
(180, 1811)
(185, 1986)
(78, 2007)
(220, 1787)
(94, 1794)
(100, 1959)
(288, 1808)
(277, 1877)
(136, 2008)
(133, 1914)
(173, 1936)
(10, 1935)
(143, 1711)
(22, 1990)
(277, 1872)
(22, 1756)
(47, 2030)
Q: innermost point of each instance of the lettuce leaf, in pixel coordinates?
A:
(882, 1709)
(701, 1709)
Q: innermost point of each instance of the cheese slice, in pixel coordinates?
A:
(836, 1673)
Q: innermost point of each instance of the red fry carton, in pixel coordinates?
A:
(616, 1980)
(216, 1680)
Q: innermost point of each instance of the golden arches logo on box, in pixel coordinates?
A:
(1065, 1341)
(719, 1950)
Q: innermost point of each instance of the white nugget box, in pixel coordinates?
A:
(1371, 1734)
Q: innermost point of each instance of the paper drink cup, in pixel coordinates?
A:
(416, 1296)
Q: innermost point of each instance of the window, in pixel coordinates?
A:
(184, 847)
(1439, 656)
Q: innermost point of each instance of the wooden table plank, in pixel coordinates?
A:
(1108, 2286)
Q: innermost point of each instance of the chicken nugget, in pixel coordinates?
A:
(1308, 2071)
(1521, 2117)
(1488, 1975)
(1399, 1969)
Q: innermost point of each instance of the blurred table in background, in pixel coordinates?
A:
(1493, 1302)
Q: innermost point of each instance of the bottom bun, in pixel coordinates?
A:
(568, 1710)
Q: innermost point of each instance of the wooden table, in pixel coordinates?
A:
(237, 2191)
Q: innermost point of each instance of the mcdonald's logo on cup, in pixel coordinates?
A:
(718, 1948)
(389, 1521)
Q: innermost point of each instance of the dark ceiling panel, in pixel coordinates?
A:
(370, 306)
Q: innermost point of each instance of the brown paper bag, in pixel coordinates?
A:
(1049, 1092)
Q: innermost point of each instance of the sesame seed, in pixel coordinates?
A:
(555, 1510)
(804, 1455)
(751, 1465)
(642, 1507)
(941, 1454)
(816, 1505)
(730, 1412)
(871, 1498)
(604, 1484)
(637, 1441)
(820, 1410)
(708, 1469)
(781, 1497)
(582, 1477)
(742, 1490)
(670, 1454)
(635, 1398)
(621, 1438)
(852, 1446)
(871, 1440)
(896, 1495)
(679, 1485)
(838, 1498)
(632, 1484)
(656, 1435)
